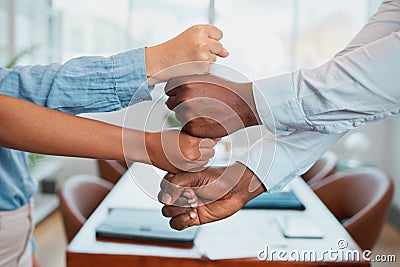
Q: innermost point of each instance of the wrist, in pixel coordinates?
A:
(250, 117)
(249, 186)
(135, 148)
(155, 62)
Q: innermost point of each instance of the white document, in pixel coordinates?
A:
(224, 240)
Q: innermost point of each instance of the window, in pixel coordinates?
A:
(4, 34)
(264, 37)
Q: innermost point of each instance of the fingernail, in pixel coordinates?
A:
(167, 199)
(193, 200)
(192, 214)
(193, 205)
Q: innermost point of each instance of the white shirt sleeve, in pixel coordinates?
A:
(277, 159)
(359, 86)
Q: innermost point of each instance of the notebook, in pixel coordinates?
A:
(143, 225)
(278, 200)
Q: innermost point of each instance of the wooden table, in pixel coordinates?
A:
(243, 231)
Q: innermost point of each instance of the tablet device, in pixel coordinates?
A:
(277, 200)
(144, 226)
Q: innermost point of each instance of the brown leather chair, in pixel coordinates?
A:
(112, 170)
(359, 199)
(322, 168)
(79, 196)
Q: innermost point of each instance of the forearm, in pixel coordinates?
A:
(384, 22)
(345, 93)
(29, 127)
(314, 99)
(81, 85)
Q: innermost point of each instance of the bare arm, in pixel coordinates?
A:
(29, 127)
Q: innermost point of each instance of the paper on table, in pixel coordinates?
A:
(221, 240)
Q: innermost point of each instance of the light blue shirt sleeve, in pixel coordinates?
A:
(81, 85)
(275, 160)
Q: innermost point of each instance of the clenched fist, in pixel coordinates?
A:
(207, 196)
(176, 151)
(209, 106)
(199, 44)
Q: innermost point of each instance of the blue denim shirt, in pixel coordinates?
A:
(81, 85)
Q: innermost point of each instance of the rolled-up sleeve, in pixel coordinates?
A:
(81, 85)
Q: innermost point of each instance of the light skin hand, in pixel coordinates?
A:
(176, 151)
(32, 128)
(209, 106)
(199, 43)
(207, 196)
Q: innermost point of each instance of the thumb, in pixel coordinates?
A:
(223, 53)
(173, 186)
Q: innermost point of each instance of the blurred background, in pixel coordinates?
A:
(264, 38)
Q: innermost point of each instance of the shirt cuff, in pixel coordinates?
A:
(277, 105)
(273, 169)
(276, 160)
(129, 76)
(259, 159)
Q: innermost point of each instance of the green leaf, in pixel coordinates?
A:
(34, 158)
(22, 54)
(172, 121)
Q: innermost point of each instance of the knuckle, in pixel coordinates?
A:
(196, 27)
(192, 156)
(164, 211)
(170, 105)
(199, 31)
(200, 27)
(189, 128)
(175, 225)
(220, 33)
(203, 54)
(193, 129)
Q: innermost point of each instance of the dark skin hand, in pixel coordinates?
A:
(207, 196)
(209, 106)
